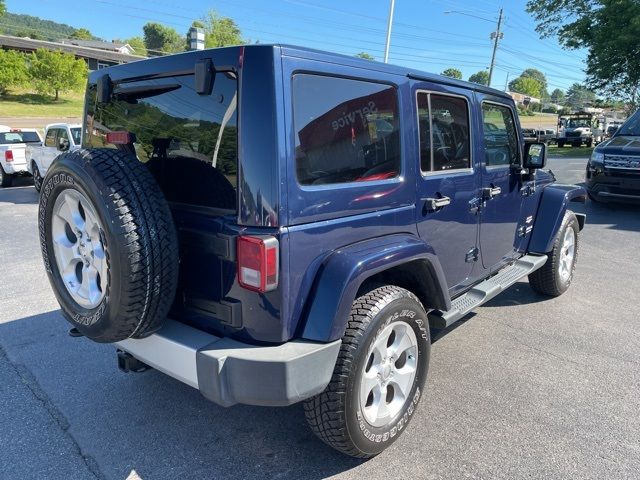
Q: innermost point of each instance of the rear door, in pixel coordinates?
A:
(447, 217)
(501, 183)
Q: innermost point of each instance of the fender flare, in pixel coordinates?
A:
(344, 271)
(551, 211)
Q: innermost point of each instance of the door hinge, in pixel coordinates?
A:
(472, 255)
(528, 190)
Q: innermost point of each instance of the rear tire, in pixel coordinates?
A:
(109, 244)
(37, 178)
(560, 143)
(6, 179)
(374, 391)
(555, 277)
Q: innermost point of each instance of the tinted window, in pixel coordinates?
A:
(346, 130)
(19, 137)
(444, 132)
(631, 126)
(500, 140)
(188, 141)
(50, 140)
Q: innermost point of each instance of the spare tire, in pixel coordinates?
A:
(109, 244)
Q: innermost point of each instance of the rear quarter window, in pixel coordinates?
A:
(345, 130)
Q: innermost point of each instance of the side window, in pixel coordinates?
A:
(443, 123)
(50, 140)
(345, 130)
(500, 138)
(62, 133)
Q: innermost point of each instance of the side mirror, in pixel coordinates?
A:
(535, 155)
(63, 144)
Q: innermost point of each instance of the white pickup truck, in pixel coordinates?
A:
(58, 138)
(14, 144)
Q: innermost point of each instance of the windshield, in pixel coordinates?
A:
(76, 133)
(11, 138)
(578, 123)
(631, 126)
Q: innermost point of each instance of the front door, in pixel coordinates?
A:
(501, 184)
(446, 218)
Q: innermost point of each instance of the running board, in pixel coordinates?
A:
(486, 290)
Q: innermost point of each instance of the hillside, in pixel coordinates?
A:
(34, 27)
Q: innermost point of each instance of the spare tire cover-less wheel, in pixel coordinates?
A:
(109, 244)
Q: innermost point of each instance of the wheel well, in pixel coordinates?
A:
(415, 276)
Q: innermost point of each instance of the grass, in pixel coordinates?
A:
(569, 151)
(20, 104)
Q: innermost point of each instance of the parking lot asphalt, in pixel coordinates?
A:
(526, 387)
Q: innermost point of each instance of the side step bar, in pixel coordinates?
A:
(486, 290)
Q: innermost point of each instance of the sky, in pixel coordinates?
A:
(429, 35)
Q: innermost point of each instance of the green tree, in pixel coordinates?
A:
(220, 31)
(3, 8)
(365, 55)
(81, 34)
(527, 86)
(608, 29)
(539, 76)
(13, 70)
(137, 43)
(53, 72)
(557, 96)
(481, 77)
(159, 39)
(453, 73)
(579, 96)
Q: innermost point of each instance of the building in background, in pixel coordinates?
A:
(97, 54)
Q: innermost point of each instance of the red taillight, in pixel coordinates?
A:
(8, 156)
(258, 264)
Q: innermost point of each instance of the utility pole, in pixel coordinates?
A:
(389, 23)
(496, 37)
(506, 82)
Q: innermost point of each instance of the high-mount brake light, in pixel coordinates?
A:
(258, 262)
(8, 156)
(120, 138)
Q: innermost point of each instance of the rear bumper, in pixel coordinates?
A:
(15, 168)
(229, 372)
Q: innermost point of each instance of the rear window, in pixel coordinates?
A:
(19, 137)
(188, 141)
(345, 130)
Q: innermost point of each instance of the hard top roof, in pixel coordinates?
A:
(164, 62)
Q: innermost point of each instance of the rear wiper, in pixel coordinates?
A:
(132, 94)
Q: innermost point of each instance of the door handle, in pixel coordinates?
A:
(490, 192)
(433, 204)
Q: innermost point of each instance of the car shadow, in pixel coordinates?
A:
(153, 424)
(21, 192)
(520, 293)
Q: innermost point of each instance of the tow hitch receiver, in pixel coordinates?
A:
(128, 363)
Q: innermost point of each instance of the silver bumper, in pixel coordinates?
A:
(228, 372)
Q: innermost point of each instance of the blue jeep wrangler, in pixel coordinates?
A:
(271, 224)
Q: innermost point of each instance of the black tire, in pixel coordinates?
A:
(138, 236)
(560, 143)
(548, 280)
(335, 415)
(6, 179)
(589, 143)
(37, 178)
